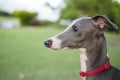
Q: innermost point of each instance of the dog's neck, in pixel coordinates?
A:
(93, 56)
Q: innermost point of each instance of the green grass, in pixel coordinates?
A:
(24, 57)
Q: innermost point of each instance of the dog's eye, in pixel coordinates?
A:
(75, 28)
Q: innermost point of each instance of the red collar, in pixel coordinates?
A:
(97, 70)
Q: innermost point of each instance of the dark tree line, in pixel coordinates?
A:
(77, 8)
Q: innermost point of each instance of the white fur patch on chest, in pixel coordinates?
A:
(83, 58)
(107, 55)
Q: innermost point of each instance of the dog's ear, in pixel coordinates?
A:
(103, 21)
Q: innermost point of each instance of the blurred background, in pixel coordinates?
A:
(25, 24)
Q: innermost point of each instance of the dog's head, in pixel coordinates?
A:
(82, 33)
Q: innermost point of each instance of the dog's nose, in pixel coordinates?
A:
(48, 43)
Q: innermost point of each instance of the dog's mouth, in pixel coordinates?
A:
(55, 48)
(65, 48)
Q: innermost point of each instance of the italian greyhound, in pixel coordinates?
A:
(87, 35)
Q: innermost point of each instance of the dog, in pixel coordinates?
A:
(87, 35)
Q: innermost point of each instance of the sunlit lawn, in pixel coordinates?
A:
(24, 57)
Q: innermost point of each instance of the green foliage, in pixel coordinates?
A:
(46, 23)
(25, 16)
(70, 12)
(4, 13)
(75, 8)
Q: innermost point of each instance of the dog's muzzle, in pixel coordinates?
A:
(53, 43)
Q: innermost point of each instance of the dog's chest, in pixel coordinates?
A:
(83, 59)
